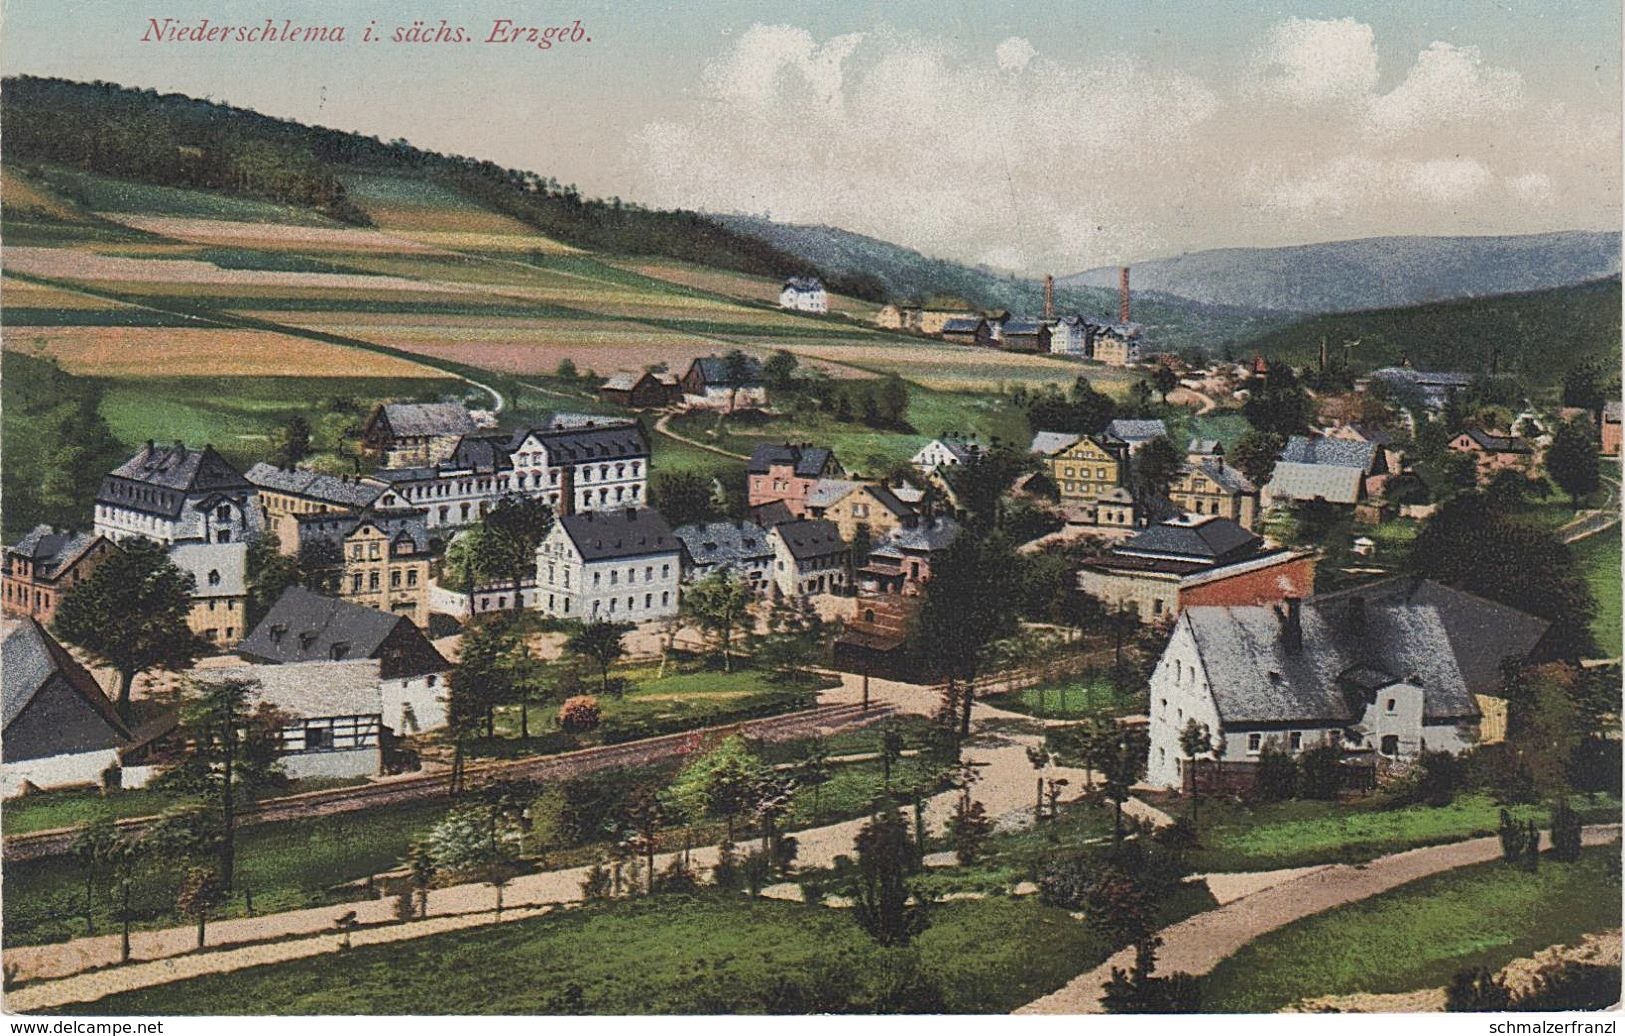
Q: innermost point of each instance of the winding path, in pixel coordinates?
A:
(1197, 944)
(663, 426)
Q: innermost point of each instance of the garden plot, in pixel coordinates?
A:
(148, 352)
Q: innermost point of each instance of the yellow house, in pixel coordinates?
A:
(285, 494)
(1086, 471)
(386, 566)
(1214, 487)
(219, 574)
(851, 505)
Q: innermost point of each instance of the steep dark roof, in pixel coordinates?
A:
(180, 470)
(1202, 538)
(720, 543)
(808, 461)
(428, 419)
(810, 538)
(962, 325)
(1023, 327)
(804, 284)
(1231, 480)
(1482, 633)
(1496, 443)
(774, 512)
(411, 524)
(303, 626)
(1339, 453)
(714, 371)
(31, 659)
(52, 551)
(628, 533)
(1255, 678)
(332, 489)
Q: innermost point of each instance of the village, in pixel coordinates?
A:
(1306, 611)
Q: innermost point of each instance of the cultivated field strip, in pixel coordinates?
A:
(415, 788)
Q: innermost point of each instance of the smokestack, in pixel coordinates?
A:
(1122, 297)
(1049, 296)
(1292, 629)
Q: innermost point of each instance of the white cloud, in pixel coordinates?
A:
(1024, 160)
(1014, 54)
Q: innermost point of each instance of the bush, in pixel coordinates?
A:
(596, 885)
(1565, 832)
(1512, 838)
(1497, 769)
(1572, 986)
(579, 714)
(1438, 778)
(1475, 989)
(1595, 765)
(968, 830)
(757, 870)
(1277, 774)
(1320, 773)
(1064, 881)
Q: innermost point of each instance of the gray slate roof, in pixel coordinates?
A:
(724, 543)
(628, 533)
(807, 461)
(1496, 443)
(804, 284)
(332, 489)
(961, 325)
(1050, 443)
(311, 625)
(1342, 453)
(428, 419)
(310, 690)
(30, 659)
(52, 551)
(928, 535)
(1231, 480)
(177, 469)
(714, 371)
(1137, 431)
(810, 538)
(1334, 484)
(226, 561)
(1256, 680)
(1194, 537)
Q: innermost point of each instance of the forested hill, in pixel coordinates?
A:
(179, 141)
(1535, 335)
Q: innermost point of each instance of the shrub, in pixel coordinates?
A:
(969, 829)
(1512, 838)
(1277, 774)
(676, 878)
(1572, 986)
(1475, 989)
(1320, 772)
(1497, 769)
(1438, 778)
(1595, 765)
(579, 714)
(1064, 881)
(1565, 832)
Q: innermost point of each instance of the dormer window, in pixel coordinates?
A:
(306, 640)
(339, 650)
(214, 577)
(223, 512)
(278, 632)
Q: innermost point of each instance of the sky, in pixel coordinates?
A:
(1031, 137)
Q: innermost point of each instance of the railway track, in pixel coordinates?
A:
(419, 787)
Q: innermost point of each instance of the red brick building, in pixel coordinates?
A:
(787, 474)
(43, 566)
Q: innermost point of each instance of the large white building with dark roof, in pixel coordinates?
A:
(614, 565)
(176, 494)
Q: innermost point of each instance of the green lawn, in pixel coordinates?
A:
(1089, 695)
(52, 809)
(1599, 558)
(708, 954)
(1301, 832)
(1482, 916)
(106, 194)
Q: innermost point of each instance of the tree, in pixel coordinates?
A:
(270, 572)
(1583, 387)
(968, 829)
(1572, 460)
(482, 679)
(880, 894)
(1164, 380)
(200, 892)
(479, 842)
(891, 749)
(1156, 464)
(966, 609)
(737, 368)
(292, 442)
(983, 483)
(1196, 741)
(1121, 768)
(1277, 404)
(1139, 991)
(514, 527)
(720, 783)
(778, 372)
(683, 497)
(717, 604)
(421, 870)
(1254, 455)
(566, 370)
(813, 771)
(232, 750)
(130, 615)
(602, 643)
(93, 848)
(645, 815)
(1566, 832)
(891, 399)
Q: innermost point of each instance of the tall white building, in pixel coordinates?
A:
(805, 295)
(614, 565)
(175, 494)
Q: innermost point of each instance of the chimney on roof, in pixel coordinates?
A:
(1049, 296)
(1122, 296)
(1292, 626)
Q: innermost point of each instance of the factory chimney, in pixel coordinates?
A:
(1122, 297)
(1049, 296)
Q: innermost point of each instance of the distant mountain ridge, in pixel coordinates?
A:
(1371, 273)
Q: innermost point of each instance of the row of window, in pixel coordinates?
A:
(631, 602)
(374, 583)
(1100, 473)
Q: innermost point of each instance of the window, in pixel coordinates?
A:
(665, 571)
(1391, 706)
(1296, 740)
(214, 577)
(355, 583)
(432, 680)
(395, 579)
(223, 512)
(1390, 745)
(318, 738)
(1255, 742)
(596, 578)
(372, 580)
(411, 577)
(339, 650)
(222, 536)
(648, 600)
(665, 598)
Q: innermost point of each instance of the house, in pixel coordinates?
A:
(893, 317)
(622, 565)
(1115, 509)
(304, 627)
(774, 512)
(220, 596)
(1432, 389)
(946, 452)
(60, 729)
(333, 714)
(1117, 345)
(1373, 676)
(641, 391)
(287, 494)
(1024, 336)
(968, 331)
(787, 473)
(738, 547)
(1195, 560)
(1365, 431)
(410, 435)
(1612, 412)
(1136, 433)
(1492, 453)
(582, 468)
(1088, 468)
(809, 557)
(855, 507)
(901, 564)
(174, 494)
(385, 564)
(804, 295)
(1069, 336)
(1333, 470)
(45, 564)
(1207, 485)
(1048, 444)
(709, 385)
(932, 321)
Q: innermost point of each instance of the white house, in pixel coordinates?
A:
(621, 566)
(1375, 676)
(580, 468)
(333, 714)
(174, 494)
(1069, 336)
(945, 453)
(809, 557)
(739, 547)
(804, 295)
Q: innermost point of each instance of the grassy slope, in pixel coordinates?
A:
(680, 955)
(1599, 558)
(1482, 916)
(1537, 335)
